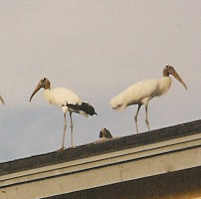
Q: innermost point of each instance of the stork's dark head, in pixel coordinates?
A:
(169, 70)
(43, 83)
(166, 70)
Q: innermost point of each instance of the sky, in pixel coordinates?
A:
(97, 49)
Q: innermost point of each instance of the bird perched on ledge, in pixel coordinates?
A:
(105, 133)
(142, 92)
(67, 100)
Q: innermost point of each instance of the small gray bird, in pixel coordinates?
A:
(105, 133)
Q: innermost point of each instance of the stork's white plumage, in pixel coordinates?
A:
(142, 92)
(67, 100)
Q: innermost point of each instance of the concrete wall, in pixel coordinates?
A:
(134, 169)
(175, 185)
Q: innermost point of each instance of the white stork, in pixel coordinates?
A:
(142, 92)
(67, 100)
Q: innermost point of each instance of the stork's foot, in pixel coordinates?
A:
(61, 149)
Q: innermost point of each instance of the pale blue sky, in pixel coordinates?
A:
(97, 49)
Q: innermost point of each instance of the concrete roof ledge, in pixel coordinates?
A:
(116, 144)
(119, 160)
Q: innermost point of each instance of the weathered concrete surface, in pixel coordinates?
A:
(124, 161)
(185, 184)
(92, 149)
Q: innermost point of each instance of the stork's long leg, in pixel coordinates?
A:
(71, 128)
(64, 134)
(139, 106)
(146, 120)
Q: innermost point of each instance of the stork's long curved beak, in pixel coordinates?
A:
(176, 75)
(2, 101)
(38, 87)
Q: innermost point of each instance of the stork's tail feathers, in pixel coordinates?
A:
(117, 105)
(87, 108)
(84, 108)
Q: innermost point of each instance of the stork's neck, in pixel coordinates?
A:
(48, 95)
(166, 73)
(47, 85)
(164, 84)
